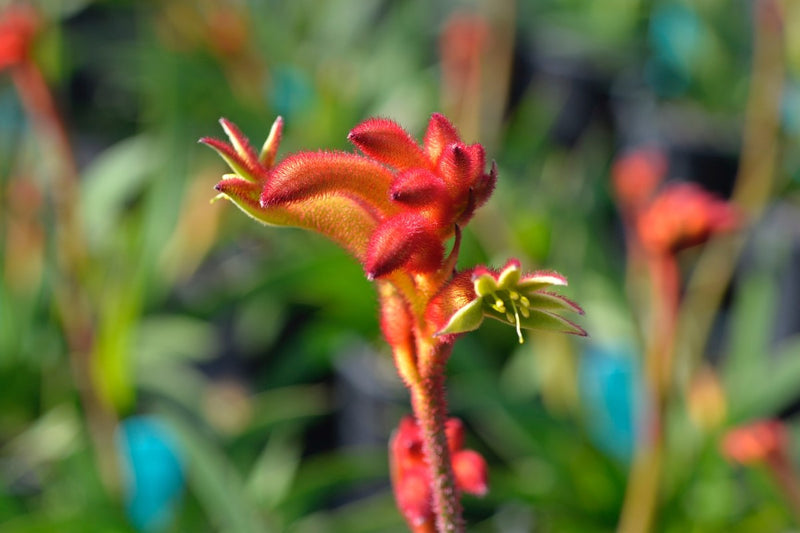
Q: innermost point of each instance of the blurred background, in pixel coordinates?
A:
(167, 364)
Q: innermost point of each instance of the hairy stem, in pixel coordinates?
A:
(430, 410)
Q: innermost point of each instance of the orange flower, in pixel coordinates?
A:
(636, 175)
(18, 25)
(756, 442)
(684, 215)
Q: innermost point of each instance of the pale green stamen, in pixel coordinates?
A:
(516, 317)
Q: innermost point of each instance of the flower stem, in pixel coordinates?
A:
(430, 410)
(754, 181)
(639, 506)
(71, 301)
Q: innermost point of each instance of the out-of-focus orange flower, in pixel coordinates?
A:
(464, 44)
(636, 175)
(756, 442)
(463, 41)
(684, 215)
(18, 25)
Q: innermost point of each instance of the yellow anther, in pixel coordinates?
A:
(514, 295)
(510, 317)
(525, 302)
(525, 312)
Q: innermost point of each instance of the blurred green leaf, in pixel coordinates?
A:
(162, 338)
(215, 481)
(112, 181)
(273, 472)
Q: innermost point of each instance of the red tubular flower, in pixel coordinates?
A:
(18, 25)
(684, 215)
(410, 477)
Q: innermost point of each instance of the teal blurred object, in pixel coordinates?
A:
(291, 91)
(790, 106)
(609, 382)
(675, 36)
(154, 473)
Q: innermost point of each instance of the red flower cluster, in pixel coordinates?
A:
(410, 474)
(436, 186)
(392, 209)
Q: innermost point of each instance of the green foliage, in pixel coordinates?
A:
(236, 335)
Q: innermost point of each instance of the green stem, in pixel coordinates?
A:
(754, 182)
(641, 496)
(71, 301)
(782, 470)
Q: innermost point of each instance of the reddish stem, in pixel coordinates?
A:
(70, 298)
(430, 410)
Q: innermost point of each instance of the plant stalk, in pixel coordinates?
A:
(641, 495)
(430, 409)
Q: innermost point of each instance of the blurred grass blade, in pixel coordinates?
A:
(215, 482)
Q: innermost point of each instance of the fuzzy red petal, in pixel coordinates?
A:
(419, 186)
(386, 141)
(239, 142)
(343, 219)
(440, 133)
(308, 174)
(240, 165)
(406, 240)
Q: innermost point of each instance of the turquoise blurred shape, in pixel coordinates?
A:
(153, 471)
(676, 35)
(291, 91)
(609, 383)
(790, 106)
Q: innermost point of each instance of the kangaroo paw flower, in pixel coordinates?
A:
(506, 295)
